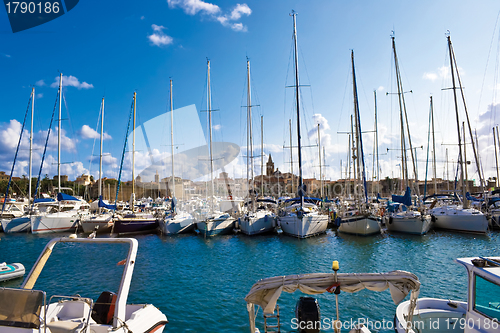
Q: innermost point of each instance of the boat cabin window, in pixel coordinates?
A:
(486, 297)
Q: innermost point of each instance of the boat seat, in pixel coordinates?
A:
(77, 310)
(104, 308)
(65, 326)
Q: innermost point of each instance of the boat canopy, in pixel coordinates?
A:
(265, 293)
(63, 196)
(403, 199)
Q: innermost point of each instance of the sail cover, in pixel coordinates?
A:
(403, 199)
(266, 292)
(105, 205)
(63, 196)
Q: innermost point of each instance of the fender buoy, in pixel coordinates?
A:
(433, 218)
(390, 220)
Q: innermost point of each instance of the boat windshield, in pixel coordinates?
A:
(487, 297)
(21, 307)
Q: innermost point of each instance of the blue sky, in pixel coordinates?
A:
(112, 49)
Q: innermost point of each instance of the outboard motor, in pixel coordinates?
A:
(308, 315)
(104, 308)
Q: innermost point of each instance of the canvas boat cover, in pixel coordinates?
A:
(265, 293)
(63, 196)
(403, 199)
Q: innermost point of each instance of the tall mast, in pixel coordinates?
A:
(262, 154)
(291, 151)
(496, 154)
(319, 156)
(133, 154)
(301, 187)
(465, 201)
(465, 158)
(433, 148)
(31, 142)
(209, 104)
(172, 137)
(376, 142)
(59, 137)
(359, 140)
(100, 152)
(249, 132)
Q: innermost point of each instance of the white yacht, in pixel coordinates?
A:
(302, 220)
(260, 220)
(480, 313)
(457, 218)
(25, 310)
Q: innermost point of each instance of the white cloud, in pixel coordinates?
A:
(430, 76)
(235, 15)
(216, 127)
(192, 7)
(240, 9)
(381, 88)
(71, 81)
(159, 38)
(40, 83)
(88, 133)
(142, 17)
(40, 95)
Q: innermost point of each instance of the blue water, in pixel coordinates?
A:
(201, 284)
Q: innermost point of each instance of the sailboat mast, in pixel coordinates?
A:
(297, 98)
(249, 130)
(209, 104)
(31, 142)
(433, 149)
(172, 137)
(319, 156)
(262, 154)
(133, 155)
(495, 140)
(100, 151)
(376, 141)
(59, 137)
(465, 158)
(291, 152)
(359, 140)
(496, 154)
(465, 201)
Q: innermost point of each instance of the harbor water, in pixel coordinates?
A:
(200, 284)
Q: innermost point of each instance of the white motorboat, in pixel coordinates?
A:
(457, 218)
(100, 223)
(11, 271)
(27, 310)
(480, 313)
(266, 292)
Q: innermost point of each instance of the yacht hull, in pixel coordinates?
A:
(463, 220)
(129, 225)
(360, 225)
(179, 224)
(302, 227)
(19, 224)
(55, 222)
(415, 225)
(103, 223)
(213, 227)
(258, 223)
